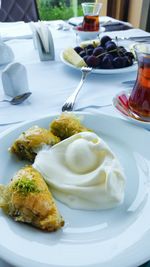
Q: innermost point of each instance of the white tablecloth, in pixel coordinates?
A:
(52, 82)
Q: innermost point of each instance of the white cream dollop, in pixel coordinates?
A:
(80, 157)
(83, 172)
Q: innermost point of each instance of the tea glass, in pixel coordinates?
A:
(91, 13)
(139, 100)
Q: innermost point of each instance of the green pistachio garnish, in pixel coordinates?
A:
(25, 186)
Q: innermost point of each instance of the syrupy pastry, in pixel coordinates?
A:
(67, 125)
(27, 199)
(30, 141)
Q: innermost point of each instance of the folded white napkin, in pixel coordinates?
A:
(19, 30)
(43, 40)
(6, 54)
(45, 98)
(14, 79)
(42, 30)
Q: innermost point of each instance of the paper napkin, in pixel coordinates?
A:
(6, 54)
(14, 79)
(43, 40)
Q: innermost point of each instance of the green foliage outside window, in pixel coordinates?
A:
(57, 9)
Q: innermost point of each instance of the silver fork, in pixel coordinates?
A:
(69, 103)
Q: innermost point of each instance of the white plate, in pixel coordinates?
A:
(121, 110)
(115, 237)
(76, 20)
(102, 71)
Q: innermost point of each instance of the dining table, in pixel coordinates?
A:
(51, 82)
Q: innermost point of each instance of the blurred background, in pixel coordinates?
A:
(136, 12)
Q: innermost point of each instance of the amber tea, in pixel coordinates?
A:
(91, 13)
(90, 23)
(139, 100)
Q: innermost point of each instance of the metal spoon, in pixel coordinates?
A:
(17, 99)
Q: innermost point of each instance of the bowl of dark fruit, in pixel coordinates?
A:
(106, 56)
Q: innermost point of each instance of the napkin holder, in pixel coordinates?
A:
(45, 56)
(6, 54)
(14, 79)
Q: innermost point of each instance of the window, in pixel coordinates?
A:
(59, 9)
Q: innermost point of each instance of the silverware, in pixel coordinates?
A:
(93, 106)
(69, 103)
(62, 26)
(134, 38)
(17, 99)
(59, 26)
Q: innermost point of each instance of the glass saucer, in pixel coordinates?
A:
(88, 35)
(120, 102)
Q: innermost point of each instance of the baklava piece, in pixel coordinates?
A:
(27, 199)
(67, 125)
(29, 142)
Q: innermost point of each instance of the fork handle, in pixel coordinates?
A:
(73, 97)
(4, 100)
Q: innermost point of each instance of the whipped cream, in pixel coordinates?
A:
(83, 172)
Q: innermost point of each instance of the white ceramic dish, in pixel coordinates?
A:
(102, 71)
(75, 20)
(122, 111)
(87, 35)
(115, 237)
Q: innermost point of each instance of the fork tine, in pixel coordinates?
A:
(86, 69)
(66, 107)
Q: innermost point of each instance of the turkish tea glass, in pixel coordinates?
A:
(139, 100)
(91, 12)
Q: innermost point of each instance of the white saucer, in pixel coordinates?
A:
(75, 20)
(88, 35)
(124, 110)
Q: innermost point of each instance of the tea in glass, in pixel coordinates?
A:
(91, 13)
(139, 100)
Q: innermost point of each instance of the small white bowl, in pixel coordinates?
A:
(88, 35)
